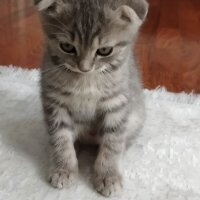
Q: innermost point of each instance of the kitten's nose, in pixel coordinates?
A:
(85, 67)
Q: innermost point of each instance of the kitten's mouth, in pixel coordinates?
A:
(75, 70)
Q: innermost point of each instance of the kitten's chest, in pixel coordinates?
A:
(83, 107)
(86, 93)
(84, 99)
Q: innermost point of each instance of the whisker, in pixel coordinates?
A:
(52, 69)
(53, 25)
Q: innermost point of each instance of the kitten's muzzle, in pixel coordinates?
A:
(85, 67)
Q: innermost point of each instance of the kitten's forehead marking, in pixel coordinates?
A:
(88, 21)
(86, 37)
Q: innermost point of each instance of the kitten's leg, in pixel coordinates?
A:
(107, 175)
(63, 160)
(135, 123)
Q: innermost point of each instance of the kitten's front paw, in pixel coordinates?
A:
(62, 178)
(108, 185)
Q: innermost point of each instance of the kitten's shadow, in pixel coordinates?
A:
(86, 158)
(29, 140)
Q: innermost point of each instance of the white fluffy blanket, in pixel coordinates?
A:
(163, 164)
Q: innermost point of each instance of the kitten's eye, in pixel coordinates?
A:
(105, 51)
(68, 48)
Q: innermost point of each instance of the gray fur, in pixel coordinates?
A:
(106, 101)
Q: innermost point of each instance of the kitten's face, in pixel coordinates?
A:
(87, 37)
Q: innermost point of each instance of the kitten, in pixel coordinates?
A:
(90, 86)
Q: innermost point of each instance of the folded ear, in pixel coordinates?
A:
(134, 13)
(50, 7)
(126, 16)
(141, 8)
(43, 4)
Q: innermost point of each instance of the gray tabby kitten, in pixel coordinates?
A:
(90, 86)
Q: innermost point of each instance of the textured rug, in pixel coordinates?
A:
(164, 162)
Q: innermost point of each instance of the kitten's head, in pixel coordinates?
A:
(91, 35)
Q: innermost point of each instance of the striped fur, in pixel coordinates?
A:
(104, 106)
